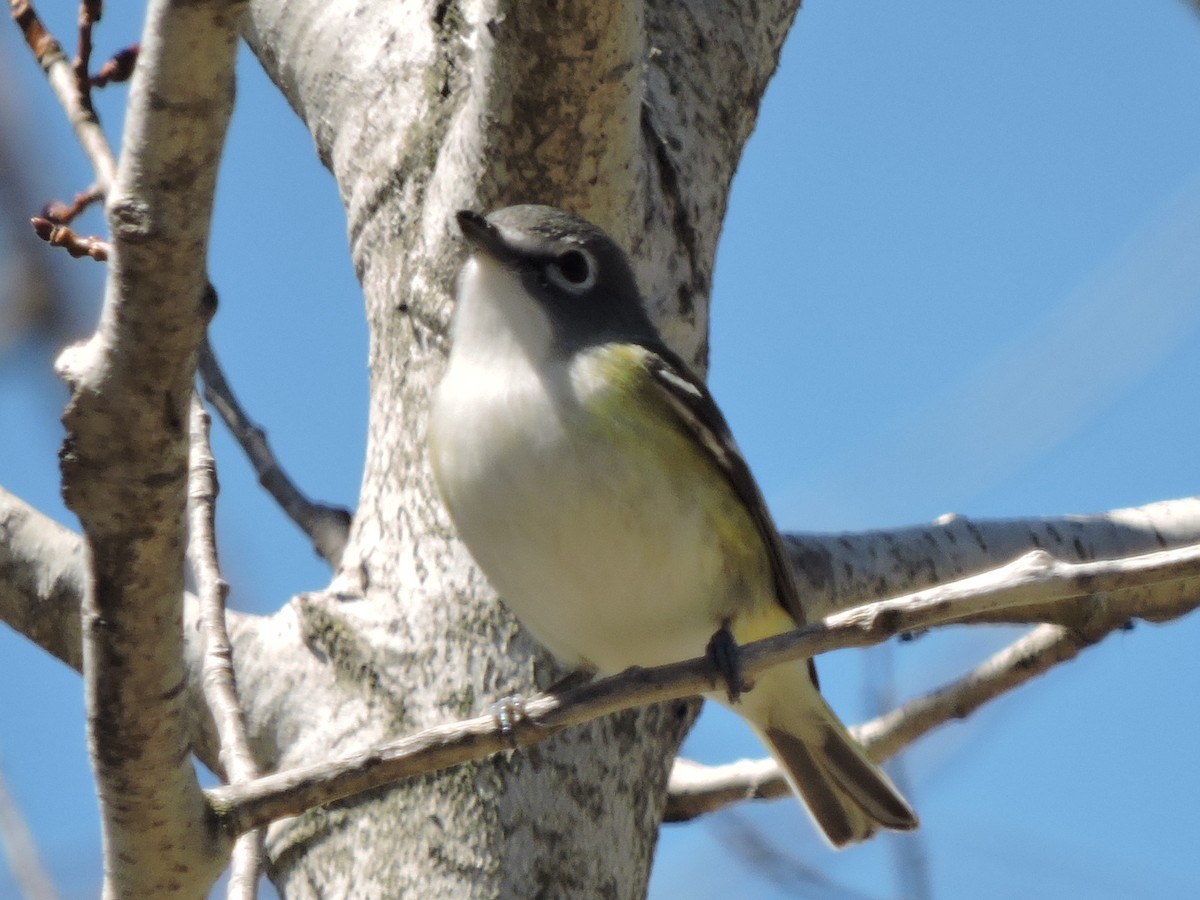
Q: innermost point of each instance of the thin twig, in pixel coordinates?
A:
(28, 871)
(1031, 655)
(790, 876)
(910, 860)
(1033, 578)
(59, 72)
(62, 214)
(118, 67)
(697, 789)
(89, 14)
(219, 684)
(328, 527)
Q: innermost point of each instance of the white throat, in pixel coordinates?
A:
(496, 318)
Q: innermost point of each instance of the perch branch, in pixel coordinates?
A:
(1033, 578)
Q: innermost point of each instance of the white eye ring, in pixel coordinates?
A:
(573, 270)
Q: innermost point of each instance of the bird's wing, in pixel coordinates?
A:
(686, 396)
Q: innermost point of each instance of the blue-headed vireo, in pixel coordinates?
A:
(595, 482)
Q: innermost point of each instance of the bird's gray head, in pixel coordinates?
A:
(577, 276)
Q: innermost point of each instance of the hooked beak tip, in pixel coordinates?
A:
(481, 234)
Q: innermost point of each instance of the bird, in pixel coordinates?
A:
(595, 482)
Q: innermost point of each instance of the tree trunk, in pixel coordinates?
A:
(631, 115)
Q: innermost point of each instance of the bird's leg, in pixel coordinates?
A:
(726, 657)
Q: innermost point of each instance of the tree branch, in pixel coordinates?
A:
(837, 571)
(61, 75)
(125, 459)
(697, 789)
(89, 14)
(328, 527)
(1081, 592)
(42, 578)
(41, 603)
(1031, 655)
(63, 214)
(220, 687)
(42, 584)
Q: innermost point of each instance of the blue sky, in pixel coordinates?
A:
(958, 274)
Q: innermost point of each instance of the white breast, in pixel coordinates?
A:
(601, 550)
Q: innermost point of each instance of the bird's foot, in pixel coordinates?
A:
(509, 713)
(726, 657)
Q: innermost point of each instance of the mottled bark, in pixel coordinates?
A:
(634, 115)
(631, 115)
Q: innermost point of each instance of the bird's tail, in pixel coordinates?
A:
(848, 795)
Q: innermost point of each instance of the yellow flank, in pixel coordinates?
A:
(763, 621)
(626, 406)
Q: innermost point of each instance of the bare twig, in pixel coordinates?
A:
(697, 789)
(77, 105)
(910, 862)
(76, 245)
(328, 527)
(34, 305)
(1034, 578)
(118, 67)
(1033, 654)
(33, 881)
(220, 687)
(789, 875)
(62, 214)
(1157, 597)
(89, 14)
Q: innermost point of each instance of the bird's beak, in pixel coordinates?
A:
(483, 236)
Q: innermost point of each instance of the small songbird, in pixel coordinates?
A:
(596, 484)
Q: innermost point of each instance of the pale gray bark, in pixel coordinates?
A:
(30, 579)
(124, 462)
(635, 116)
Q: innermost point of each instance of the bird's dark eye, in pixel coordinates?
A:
(573, 271)
(574, 267)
